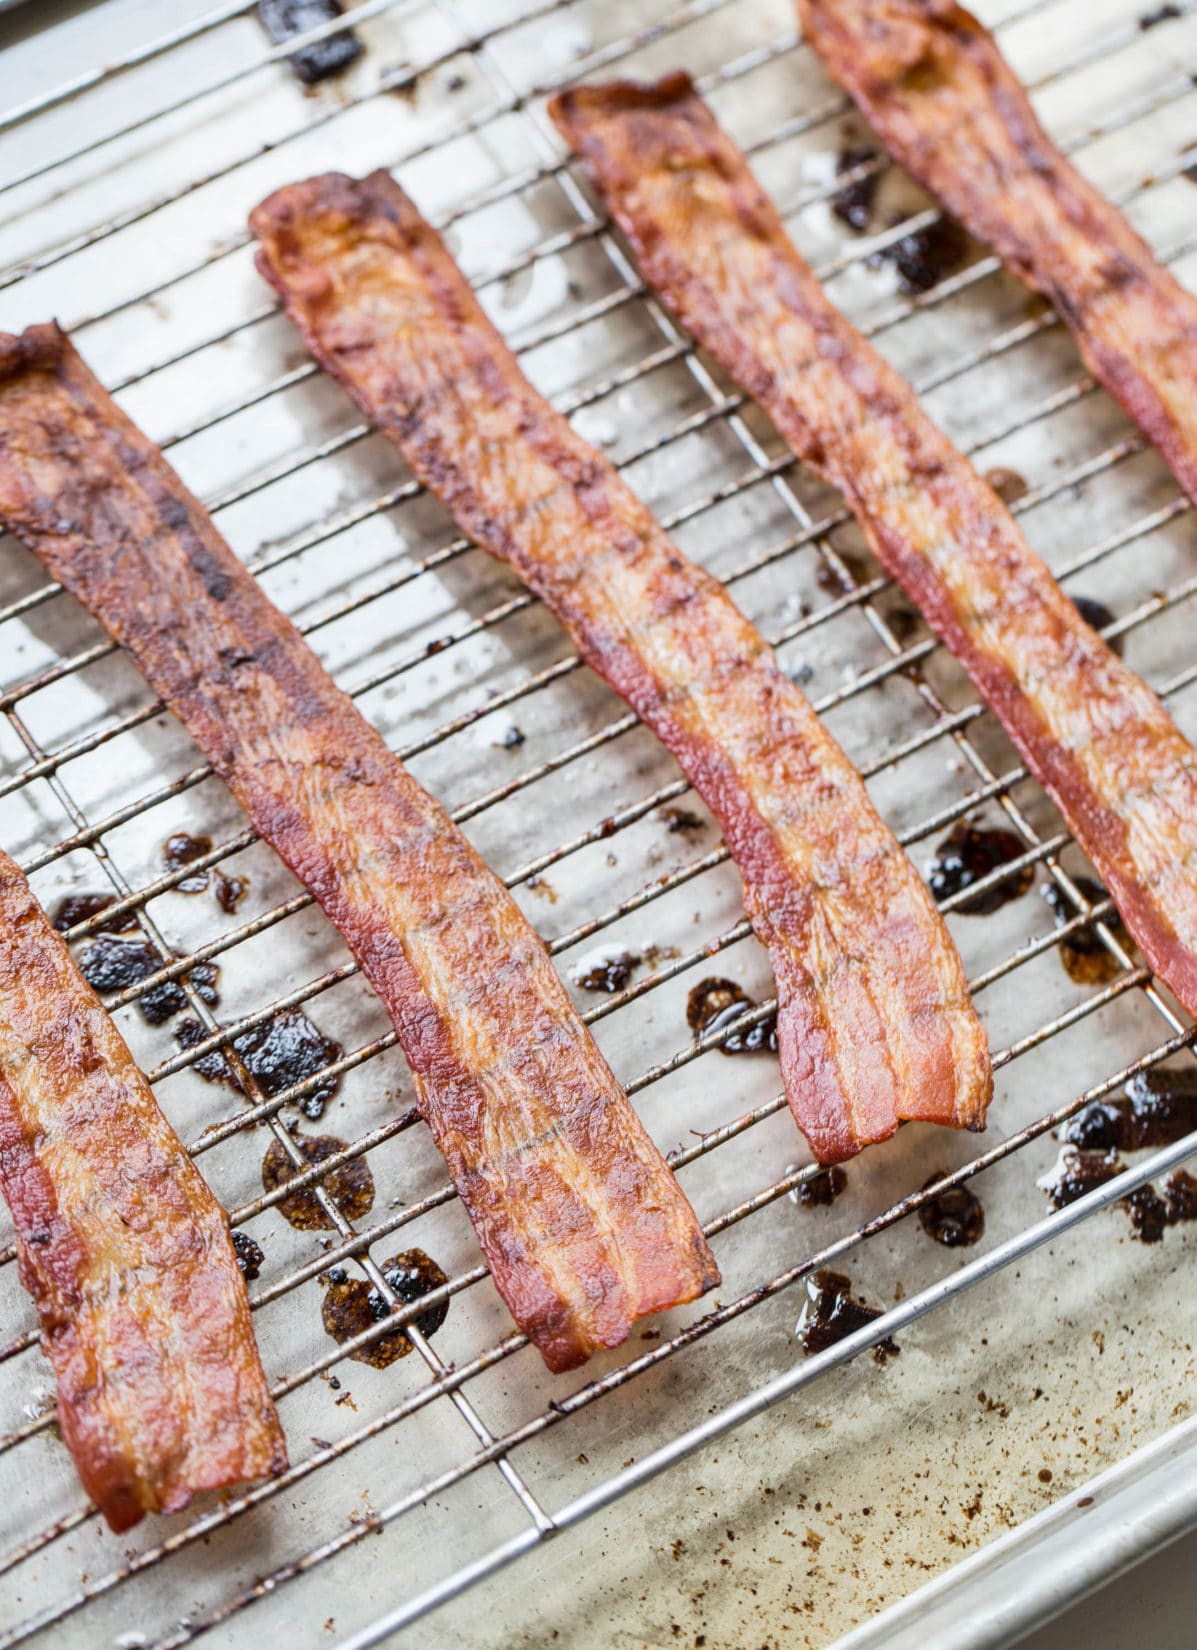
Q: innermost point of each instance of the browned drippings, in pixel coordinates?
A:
(1007, 484)
(1160, 14)
(249, 1254)
(683, 820)
(829, 578)
(967, 854)
(184, 849)
(114, 962)
(1084, 954)
(924, 257)
(229, 890)
(715, 1004)
(955, 1217)
(284, 1051)
(1148, 1214)
(609, 973)
(1180, 1189)
(283, 19)
(822, 1188)
(830, 1313)
(1160, 1107)
(853, 204)
(77, 908)
(350, 1185)
(351, 1305)
(1097, 616)
(1077, 1172)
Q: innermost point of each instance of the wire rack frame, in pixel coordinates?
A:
(947, 724)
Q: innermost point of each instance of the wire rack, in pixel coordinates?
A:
(130, 227)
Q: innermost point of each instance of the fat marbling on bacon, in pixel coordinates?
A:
(583, 1224)
(945, 102)
(1093, 734)
(875, 1021)
(123, 1248)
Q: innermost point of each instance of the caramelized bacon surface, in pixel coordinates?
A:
(122, 1246)
(583, 1225)
(945, 102)
(1090, 730)
(875, 1022)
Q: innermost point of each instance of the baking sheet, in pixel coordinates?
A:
(1059, 1369)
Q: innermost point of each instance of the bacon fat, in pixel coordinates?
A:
(875, 1022)
(947, 105)
(583, 1224)
(124, 1249)
(1093, 734)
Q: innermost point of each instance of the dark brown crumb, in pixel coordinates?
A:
(352, 1305)
(113, 962)
(715, 1004)
(351, 1185)
(513, 738)
(284, 19)
(967, 854)
(683, 820)
(183, 849)
(285, 1051)
(77, 908)
(831, 1312)
(249, 1254)
(956, 1218)
(822, 1188)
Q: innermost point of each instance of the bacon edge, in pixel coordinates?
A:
(942, 98)
(875, 1022)
(125, 1251)
(583, 1224)
(1094, 735)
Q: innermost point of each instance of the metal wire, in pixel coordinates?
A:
(954, 726)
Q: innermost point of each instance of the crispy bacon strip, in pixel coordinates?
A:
(583, 1225)
(1089, 729)
(875, 1022)
(945, 102)
(124, 1249)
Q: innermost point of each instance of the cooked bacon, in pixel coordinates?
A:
(583, 1225)
(945, 102)
(1091, 732)
(875, 1022)
(124, 1249)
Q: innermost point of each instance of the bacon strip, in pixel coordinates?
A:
(124, 1249)
(945, 102)
(1089, 729)
(583, 1225)
(875, 1022)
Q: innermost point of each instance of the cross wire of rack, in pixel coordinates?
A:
(75, 824)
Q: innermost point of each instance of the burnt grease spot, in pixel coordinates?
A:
(229, 891)
(1159, 1108)
(183, 849)
(249, 1254)
(955, 1217)
(853, 204)
(715, 1004)
(924, 257)
(114, 962)
(351, 1306)
(831, 1312)
(683, 821)
(1077, 1172)
(350, 1185)
(1160, 14)
(284, 19)
(1097, 616)
(1007, 484)
(609, 973)
(970, 852)
(1084, 954)
(822, 1189)
(77, 908)
(286, 1050)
